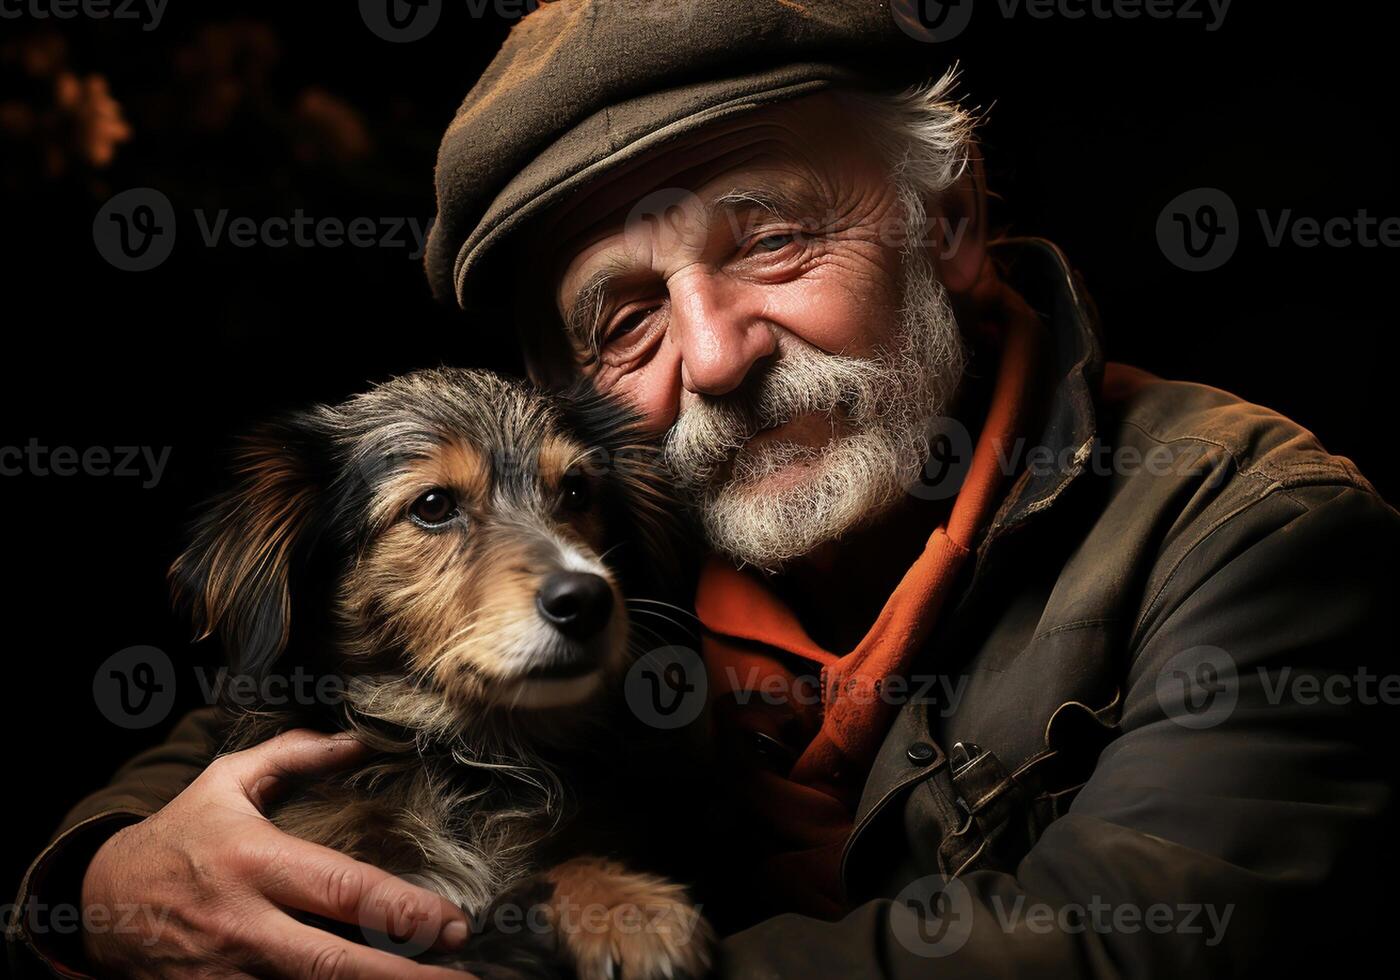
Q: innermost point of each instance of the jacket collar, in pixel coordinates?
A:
(1072, 371)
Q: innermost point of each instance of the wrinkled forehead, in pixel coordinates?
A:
(787, 145)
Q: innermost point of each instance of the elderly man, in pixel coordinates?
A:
(1019, 663)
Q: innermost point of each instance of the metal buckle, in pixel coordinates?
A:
(963, 755)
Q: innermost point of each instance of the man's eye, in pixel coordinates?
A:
(772, 243)
(434, 509)
(629, 324)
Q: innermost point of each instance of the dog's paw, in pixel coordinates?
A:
(615, 924)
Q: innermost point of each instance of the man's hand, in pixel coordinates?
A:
(211, 881)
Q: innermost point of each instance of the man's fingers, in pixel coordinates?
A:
(265, 769)
(322, 881)
(294, 950)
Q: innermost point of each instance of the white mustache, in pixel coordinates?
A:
(802, 380)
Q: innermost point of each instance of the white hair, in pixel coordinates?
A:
(927, 137)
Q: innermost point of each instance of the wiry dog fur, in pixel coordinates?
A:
(487, 723)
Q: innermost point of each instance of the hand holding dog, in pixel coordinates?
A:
(226, 875)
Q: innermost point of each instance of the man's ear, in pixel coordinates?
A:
(235, 579)
(957, 233)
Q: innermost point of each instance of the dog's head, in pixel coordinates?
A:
(448, 530)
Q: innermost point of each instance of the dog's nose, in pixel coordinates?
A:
(577, 603)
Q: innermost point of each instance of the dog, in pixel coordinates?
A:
(455, 547)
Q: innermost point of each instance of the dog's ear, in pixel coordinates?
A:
(235, 578)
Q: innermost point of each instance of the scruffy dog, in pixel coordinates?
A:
(456, 547)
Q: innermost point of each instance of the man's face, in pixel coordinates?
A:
(751, 295)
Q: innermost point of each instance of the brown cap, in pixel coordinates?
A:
(581, 87)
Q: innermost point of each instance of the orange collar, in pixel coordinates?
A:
(739, 605)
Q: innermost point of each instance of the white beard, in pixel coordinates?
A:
(882, 406)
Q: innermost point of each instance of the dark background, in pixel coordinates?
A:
(265, 108)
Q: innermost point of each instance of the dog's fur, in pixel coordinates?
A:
(493, 733)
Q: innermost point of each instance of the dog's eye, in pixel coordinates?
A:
(575, 493)
(434, 508)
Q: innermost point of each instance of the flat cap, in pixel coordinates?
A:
(581, 87)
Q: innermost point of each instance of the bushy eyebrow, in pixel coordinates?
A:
(582, 321)
(770, 199)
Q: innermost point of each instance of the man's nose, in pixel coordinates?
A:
(719, 331)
